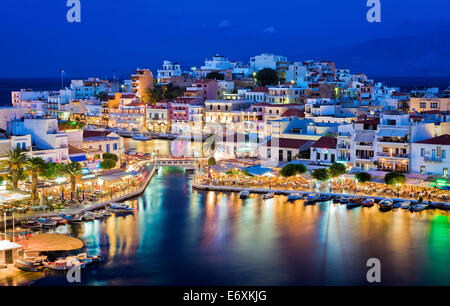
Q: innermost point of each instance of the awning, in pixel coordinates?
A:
(78, 158)
(8, 245)
(364, 137)
(258, 170)
(392, 133)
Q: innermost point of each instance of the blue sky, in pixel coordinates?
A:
(122, 35)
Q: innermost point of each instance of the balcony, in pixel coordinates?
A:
(400, 141)
(392, 155)
(343, 146)
(432, 159)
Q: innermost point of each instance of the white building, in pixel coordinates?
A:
(431, 156)
(168, 71)
(266, 60)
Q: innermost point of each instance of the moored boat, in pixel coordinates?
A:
(59, 220)
(31, 223)
(294, 197)
(418, 207)
(324, 198)
(385, 204)
(354, 202)
(120, 208)
(343, 200)
(311, 198)
(405, 204)
(268, 195)
(141, 137)
(63, 264)
(88, 217)
(29, 266)
(368, 202)
(244, 194)
(47, 222)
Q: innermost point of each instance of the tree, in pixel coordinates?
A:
(266, 76)
(320, 174)
(214, 75)
(395, 178)
(34, 167)
(107, 164)
(52, 170)
(74, 171)
(110, 156)
(211, 161)
(337, 169)
(292, 169)
(15, 162)
(363, 177)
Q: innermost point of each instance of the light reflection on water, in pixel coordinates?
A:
(179, 237)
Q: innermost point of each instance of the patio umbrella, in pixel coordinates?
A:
(83, 194)
(62, 194)
(77, 192)
(71, 196)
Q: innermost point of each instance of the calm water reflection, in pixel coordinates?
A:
(183, 237)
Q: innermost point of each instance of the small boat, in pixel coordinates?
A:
(385, 204)
(88, 217)
(120, 208)
(104, 213)
(343, 200)
(31, 223)
(73, 218)
(368, 202)
(244, 194)
(324, 198)
(269, 195)
(354, 202)
(63, 264)
(141, 137)
(47, 222)
(294, 197)
(418, 207)
(336, 200)
(405, 204)
(397, 204)
(29, 266)
(88, 259)
(59, 220)
(311, 198)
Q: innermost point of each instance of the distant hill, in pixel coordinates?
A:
(421, 55)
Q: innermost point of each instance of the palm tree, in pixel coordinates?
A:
(74, 171)
(35, 166)
(15, 163)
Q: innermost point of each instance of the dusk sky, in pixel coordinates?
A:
(122, 35)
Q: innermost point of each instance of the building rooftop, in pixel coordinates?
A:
(439, 140)
(326, 143)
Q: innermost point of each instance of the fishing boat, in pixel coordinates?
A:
(47, 223)
(120, 208)
(269, 195)
(244, 194)
(385, 204)
(311, 198)
(418, 207)
(63, 264)
(368, 202)
(73, 218)
(29, 266)
(104, 213)
(141, 137)
(336, 200)
(31, 223)
(324, 198)
(59, 220)
(294, 197)
(354, 202)
(405, 204)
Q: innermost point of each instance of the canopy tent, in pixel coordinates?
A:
(219, 168)
(13, 195)
(392, 133)
(364, 137)
(258, 170)
(8, 245)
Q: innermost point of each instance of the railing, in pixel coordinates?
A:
(384, 154)
(433, 159)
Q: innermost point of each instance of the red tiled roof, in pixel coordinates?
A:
(369, 121)
(439, 140)
(260, 89)
(293, 112)
(289, 143)
(326, 143)
(89, 134)
(134, 103)
(269, 105)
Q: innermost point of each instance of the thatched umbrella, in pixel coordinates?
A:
(51, 243)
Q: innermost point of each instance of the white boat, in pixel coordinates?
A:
(405, 204)
(294, 197)
(418, 207)
(142, 137)
(269, 195)
(63, 264)
(244, 194)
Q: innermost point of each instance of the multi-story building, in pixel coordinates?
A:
(429, 104)
(104, 141)
(129, 116)
(284, 94)
(323, 151)
(168, 71)
(141, 81)
(431, 156)
(158, 119)
(258, 94)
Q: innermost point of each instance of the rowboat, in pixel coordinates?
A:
(294, 197)
(29, 266)
(31, 223)
(343, 200)
(324, 198)
(73, 218)
(368, 202)
(354, 202)
(44, 222)
(141, 137)
(337, 199)
(88, 259)
(244, 194)
(120, 208)
(418, 207)
(397, 204)
(268, 195)
(311, 198)
(59, 220)
(386, 204)
(405, 204)
(88, 217)
(63, 264)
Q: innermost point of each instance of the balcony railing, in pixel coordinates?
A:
(433, 159)
(393, 140)
(392, 155)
